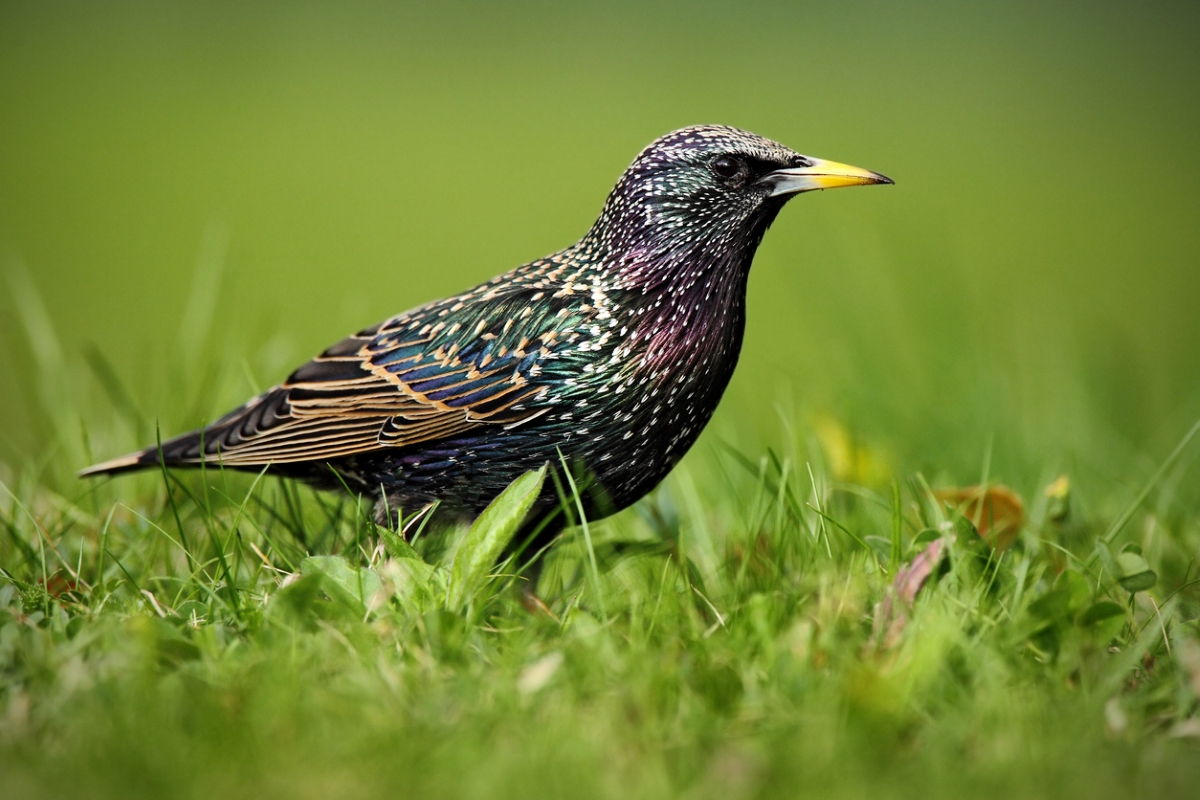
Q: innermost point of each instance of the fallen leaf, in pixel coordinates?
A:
(912, 576)
(58, 585)
(891, 613)
(996, 511)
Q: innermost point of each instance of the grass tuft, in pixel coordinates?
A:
(761, 625)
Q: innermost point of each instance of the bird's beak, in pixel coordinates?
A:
(820, 174)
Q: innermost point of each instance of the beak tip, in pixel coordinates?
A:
(821, 174)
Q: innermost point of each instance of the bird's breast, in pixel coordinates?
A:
(646, 399)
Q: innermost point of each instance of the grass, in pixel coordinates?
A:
(1014, 311)
(752, 629)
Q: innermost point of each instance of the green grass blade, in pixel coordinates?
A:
(489, 534)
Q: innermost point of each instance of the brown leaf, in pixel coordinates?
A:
(57, 585)
(996, 511)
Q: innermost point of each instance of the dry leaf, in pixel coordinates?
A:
(891, 614)
(997, 512)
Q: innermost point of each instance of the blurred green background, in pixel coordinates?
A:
(1033, 279)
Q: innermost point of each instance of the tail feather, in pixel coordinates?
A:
(178, 452)
(116, 466)
(201, 446)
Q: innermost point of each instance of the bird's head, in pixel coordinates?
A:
(711, 187)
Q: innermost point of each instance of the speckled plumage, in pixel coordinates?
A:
(614, 351)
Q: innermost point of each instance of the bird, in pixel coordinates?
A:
(609, 356)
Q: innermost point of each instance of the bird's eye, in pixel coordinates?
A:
(726, 166)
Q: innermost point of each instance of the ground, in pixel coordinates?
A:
(760, 626)
(195, 198)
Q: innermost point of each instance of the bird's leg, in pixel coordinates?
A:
(535, 605)
(390, 514)
(529, 596)
(387, 512)
(390, 517)
(416, 518)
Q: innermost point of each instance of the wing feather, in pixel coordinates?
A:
(415, 379)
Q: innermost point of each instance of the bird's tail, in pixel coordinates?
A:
(182, 451)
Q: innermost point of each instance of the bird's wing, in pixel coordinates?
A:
(429, 374)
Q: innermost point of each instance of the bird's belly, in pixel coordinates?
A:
(631, 462)
(627, 449)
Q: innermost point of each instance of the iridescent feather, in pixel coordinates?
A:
(613, 352)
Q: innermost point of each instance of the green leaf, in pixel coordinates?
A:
(1064, 601)
(967, 539)
(881, 546)
(1054, 605)
(1103, 619)
(191, 610)
(173, 648)
(1100, 611)
(415, 582)
(1134, 574)
(1140, 582)
(1104, 554)
(923, 538)
(305, 601)
(349, 585)
(396, 546)
(1130, 563)
(1076, 587)
(966, 530)
(491, 532)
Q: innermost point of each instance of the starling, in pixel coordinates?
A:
(612, 353)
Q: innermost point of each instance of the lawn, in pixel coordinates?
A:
(791, 622)
(942, 537)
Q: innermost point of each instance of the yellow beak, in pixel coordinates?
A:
(820, 174)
